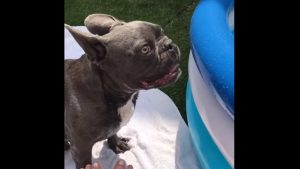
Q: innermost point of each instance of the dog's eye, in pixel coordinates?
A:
(146, 49)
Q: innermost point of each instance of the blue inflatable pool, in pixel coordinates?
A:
(212, 42)
(208, 153)
(210, 90)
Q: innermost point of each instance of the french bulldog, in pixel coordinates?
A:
(102, 86)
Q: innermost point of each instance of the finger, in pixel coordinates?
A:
(96, 166)
(121, 164)
(89, 166)
(130, 167)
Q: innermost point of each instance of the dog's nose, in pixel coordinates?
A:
(166, 43)
(169, 46)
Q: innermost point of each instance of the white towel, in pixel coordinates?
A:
(159, 138)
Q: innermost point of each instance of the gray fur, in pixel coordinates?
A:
(120, 59)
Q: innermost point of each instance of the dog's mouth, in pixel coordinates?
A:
(166, 79)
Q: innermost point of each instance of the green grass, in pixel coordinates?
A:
(173, 15)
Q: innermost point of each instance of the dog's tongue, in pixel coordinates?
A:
(162, 81)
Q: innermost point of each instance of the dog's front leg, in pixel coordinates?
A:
(118, 144)
(82, 155)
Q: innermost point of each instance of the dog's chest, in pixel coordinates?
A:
(126, 111)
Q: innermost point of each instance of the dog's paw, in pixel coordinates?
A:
(124, 139)
(120, 145)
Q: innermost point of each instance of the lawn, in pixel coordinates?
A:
(173, 15)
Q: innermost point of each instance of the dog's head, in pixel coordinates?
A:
(136, 53)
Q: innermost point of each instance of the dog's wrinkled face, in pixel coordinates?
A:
(142, 55)
(136, 53)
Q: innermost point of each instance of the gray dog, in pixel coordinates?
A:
(102, 86)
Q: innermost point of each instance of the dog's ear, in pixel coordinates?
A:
(101, 24)
(93, 45)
